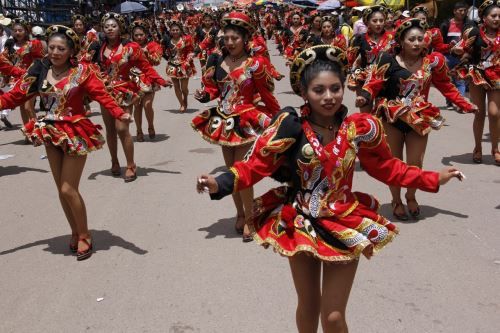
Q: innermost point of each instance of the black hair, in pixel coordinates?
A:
(398, 47)
(68, 40)
(318, 66)
(241, 31)
(459, 5)
(176, 24)
(488, 10)
(381, 11)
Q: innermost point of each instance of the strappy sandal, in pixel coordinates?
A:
(151, 133)
(115, 169)
(140, 137)
(239, 227)
(414, 213)
(395, 206)
(73, 243)
(82, 255)
(247, 235)
(496, 156)
(477, 156)
(129, 179)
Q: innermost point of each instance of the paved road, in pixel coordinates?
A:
(168, 259)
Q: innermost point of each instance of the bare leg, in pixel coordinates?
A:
(478, 97)
(150, 114)
(122, 129)
(185, 92)
(246, 194)
(494, 122)
(306, 273)
(415, 152)
(228, 153)
(138, 118)
(178, 91)
(395, 139)
(111, 140)
(337, 284)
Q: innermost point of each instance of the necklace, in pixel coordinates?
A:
(234, 59)
(329, 127)
(59, 73)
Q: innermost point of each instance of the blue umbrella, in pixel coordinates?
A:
(305, 3)
(330, 5)
(129, 7)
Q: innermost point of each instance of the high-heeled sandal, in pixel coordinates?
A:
(416, 212)
(140, 137)
(73, 243)
(151, 133)
(477, 156)
(395, 206)
(496, 156)
(85, 254)
(115, 169)
(129, 179)
(246, 234)
(238, 227)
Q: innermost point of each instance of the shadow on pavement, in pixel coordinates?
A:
(15, 170)
(141, 172)
(223, 227)
(103, 240)
(177, 111)
(466, 159)
(425, 212)
(20, 142)
(158, 138)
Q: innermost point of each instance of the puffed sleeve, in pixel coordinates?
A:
(24, 89)
(266, 155)
(378, 74)
(7, 69)
(36, 49)
(139, 60)
(155, 52)
(264, 82)
(96, 89)
(367, 134)
(466, 43)
(208, 80)
(442, 82)
(353, 52)
(437, 41)
(340, 42)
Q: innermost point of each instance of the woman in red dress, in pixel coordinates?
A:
(116, 58)
(86, 37)
(433, 36)
(400, 87)
(205, 38)
(21, 52)
(317, 221)
(365, 48)
(235, 78)
(154, 52)
(68, 135)
(328, 35)
(481, 47)
(179, 52)
(294, 37)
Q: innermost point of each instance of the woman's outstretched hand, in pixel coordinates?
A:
(206, 183)
(448, 173)
(198, 94)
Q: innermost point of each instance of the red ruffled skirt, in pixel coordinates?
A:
(488, 78)
(235, 129)
(181, 71)
(76, 135)
(335, 239)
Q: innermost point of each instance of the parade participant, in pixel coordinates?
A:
(294, 37)
(7, 70)
(317, 221)
(86, 37)
(314, 28)
(400, 86)
(365, 48)
(21, 52)
(153, 52)
(481, 47)
(205, 39)
(389, 25)
(116, 57)
(235, 77)
(179, 52)
(433, 35)
(328, 35)
(258, 47)
(67, 134)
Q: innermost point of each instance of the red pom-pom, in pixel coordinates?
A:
(288, 214)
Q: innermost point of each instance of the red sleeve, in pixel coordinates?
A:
(37, 50)
(264, 83)
(340, 42)
(466, 43)
(437, 41)
(155, 52)
(7, 69)
(377, 76)
(189, 47)
(377, 160)
(95, 88)
(353, 51)
(139, 60)
(442, 82)
(20, 93)
(210, 87)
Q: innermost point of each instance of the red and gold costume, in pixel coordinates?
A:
(434, 38)
(23, 56)
(362, 53)
(118, 69)
(483, 68)
(8, 69)
(238, 119)
(319, 213)
(85, 42)
(180, 64)
(64, 124)
(258, 47)
(401, 97)
(205, 43)
(294, 41)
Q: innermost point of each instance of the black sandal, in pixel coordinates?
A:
(82, 255)
(395, 206)
(414, 213)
